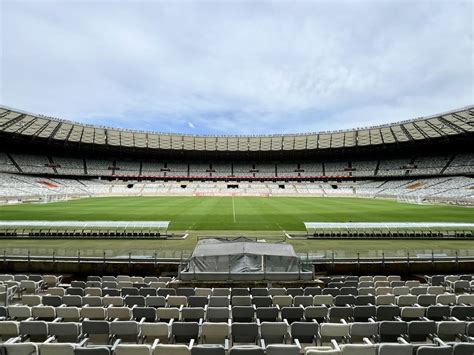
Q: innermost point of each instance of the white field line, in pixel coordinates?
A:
(233, 208)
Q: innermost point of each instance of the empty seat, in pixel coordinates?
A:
(208, 349)
(434, 350)
(215, 333)
(35, 331)
(245, 332)
(183, 332)
(282, 349)
(268, 314)
(192, 314)
(336, 331)
(65, 332)
(243, 313)
(97, 331)
(152, 331)
(274, 332)
(395, 349)
(361, 330)
(304, 332)
(246, 350)
(389, 331)
(218, 314)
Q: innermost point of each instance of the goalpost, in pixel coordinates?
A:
(417, 200)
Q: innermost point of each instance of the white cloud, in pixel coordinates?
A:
(236, 67)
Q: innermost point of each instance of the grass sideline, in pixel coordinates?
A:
(237, 213)
(174, 248)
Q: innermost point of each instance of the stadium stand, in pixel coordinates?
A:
(14, 187)
(42, 314)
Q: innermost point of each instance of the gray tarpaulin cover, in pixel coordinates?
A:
(242, 255)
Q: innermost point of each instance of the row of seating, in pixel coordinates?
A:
(360, 313)
(308, 336)
(401, 348)
(94, 299)
(105, 332)
(381, 289)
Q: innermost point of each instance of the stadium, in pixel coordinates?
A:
(325, 204)
(236, 177)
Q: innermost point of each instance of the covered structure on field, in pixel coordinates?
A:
(243, 259)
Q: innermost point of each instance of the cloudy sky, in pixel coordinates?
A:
(236, 67)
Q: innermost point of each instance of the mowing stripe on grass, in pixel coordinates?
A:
(233, 208)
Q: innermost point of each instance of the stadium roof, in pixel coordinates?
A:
(21, 124)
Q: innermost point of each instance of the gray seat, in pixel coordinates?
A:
(198, 301)
(166, 292)
(387, 312)
(97, 331)
(364, 299)
(147, 291)
(389, 331)
(438, 312)
(67, 332)
(241, 301)
(54, 301)
(155, 301)
(147, 314)
(363, 313)
(262, 301)
(26, 348)
(336, 314)
(219, 301)
(240, 291)
(419, 331)
(75, 291)
(259, 291)
(246, 350)
(35, 331)
(395, 349)
(218, 314)
(183, 332)
(304, 332)
(267, 314)
(245, 332)
(304, 301)
(131, 301)
(434, 350)
(342, 300)
(243, 313)
(185, 291)
(318, 313)
(92, 351)
(463, 349)
(205, 349)
(312, 291)
(292, 314)
(192, 314)
(462, 312)
(274, 332)
(126, 331)
(361, 330)
(282, 349)
(72, 300)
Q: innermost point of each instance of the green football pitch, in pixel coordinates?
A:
(237, 213)
(264, 217)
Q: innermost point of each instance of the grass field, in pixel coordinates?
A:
(265, 217)
(237, 213)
